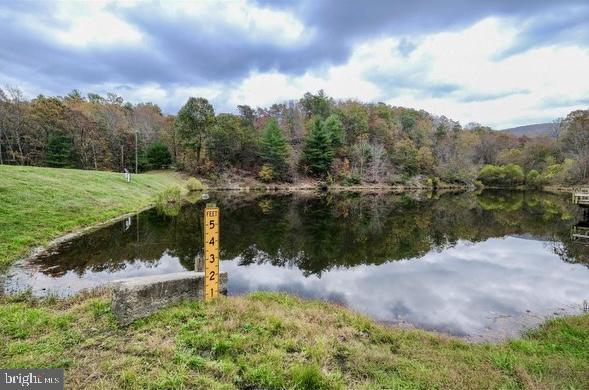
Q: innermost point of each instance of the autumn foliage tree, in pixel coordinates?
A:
(74, 131)
(193, 124)
(575, 141)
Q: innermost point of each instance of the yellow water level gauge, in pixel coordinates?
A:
(211, 258)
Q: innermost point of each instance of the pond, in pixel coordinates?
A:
(480, 266)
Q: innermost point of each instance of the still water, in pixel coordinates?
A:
(471, 265)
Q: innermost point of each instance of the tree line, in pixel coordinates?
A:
(343, 141)
(92, 132)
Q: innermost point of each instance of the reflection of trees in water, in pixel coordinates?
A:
(146, 239)
(574, 247)
(319, 232)
(351, 229)
(542, 216)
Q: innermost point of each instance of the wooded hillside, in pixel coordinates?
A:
(349, 142)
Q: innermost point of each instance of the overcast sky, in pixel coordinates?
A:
(501, 63)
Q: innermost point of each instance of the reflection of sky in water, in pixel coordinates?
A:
(458, 290)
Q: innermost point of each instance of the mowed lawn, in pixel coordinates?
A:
(276, 341)
(40, 204)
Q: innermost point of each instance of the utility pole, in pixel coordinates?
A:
(136, 161)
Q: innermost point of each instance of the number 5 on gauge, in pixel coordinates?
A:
(211, 238)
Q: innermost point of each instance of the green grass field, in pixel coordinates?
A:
(276, 341)
(40, 204)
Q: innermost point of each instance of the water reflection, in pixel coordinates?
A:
(461, 290)
(456, 263)
(580, 231)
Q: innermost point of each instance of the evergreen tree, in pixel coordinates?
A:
(143, 162)
(318, 151)
(274, 149)
(59, 151)
(336, 130)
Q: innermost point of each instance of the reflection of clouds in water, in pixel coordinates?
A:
(459, 290)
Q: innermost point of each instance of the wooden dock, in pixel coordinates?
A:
(580, 233)
(581, 196)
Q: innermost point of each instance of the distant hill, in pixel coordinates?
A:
(536, 130)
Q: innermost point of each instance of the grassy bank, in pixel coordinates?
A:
(40, 204)
(268, 340)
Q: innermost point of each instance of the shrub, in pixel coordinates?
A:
(351, 180)
(514, 174)
(490, 174)
(193, 184)
(535, 179)
(159, 156)
(266, 174)
(506, 175)
(171, 194)
(168, 201)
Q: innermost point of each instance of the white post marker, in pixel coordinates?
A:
(211, 250)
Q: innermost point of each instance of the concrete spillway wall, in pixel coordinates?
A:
(139, 297)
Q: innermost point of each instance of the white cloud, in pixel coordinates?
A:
(487, 89)
(341, 82)
(462, 74)
(82, 24)
(169, 98)
(255, 22)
